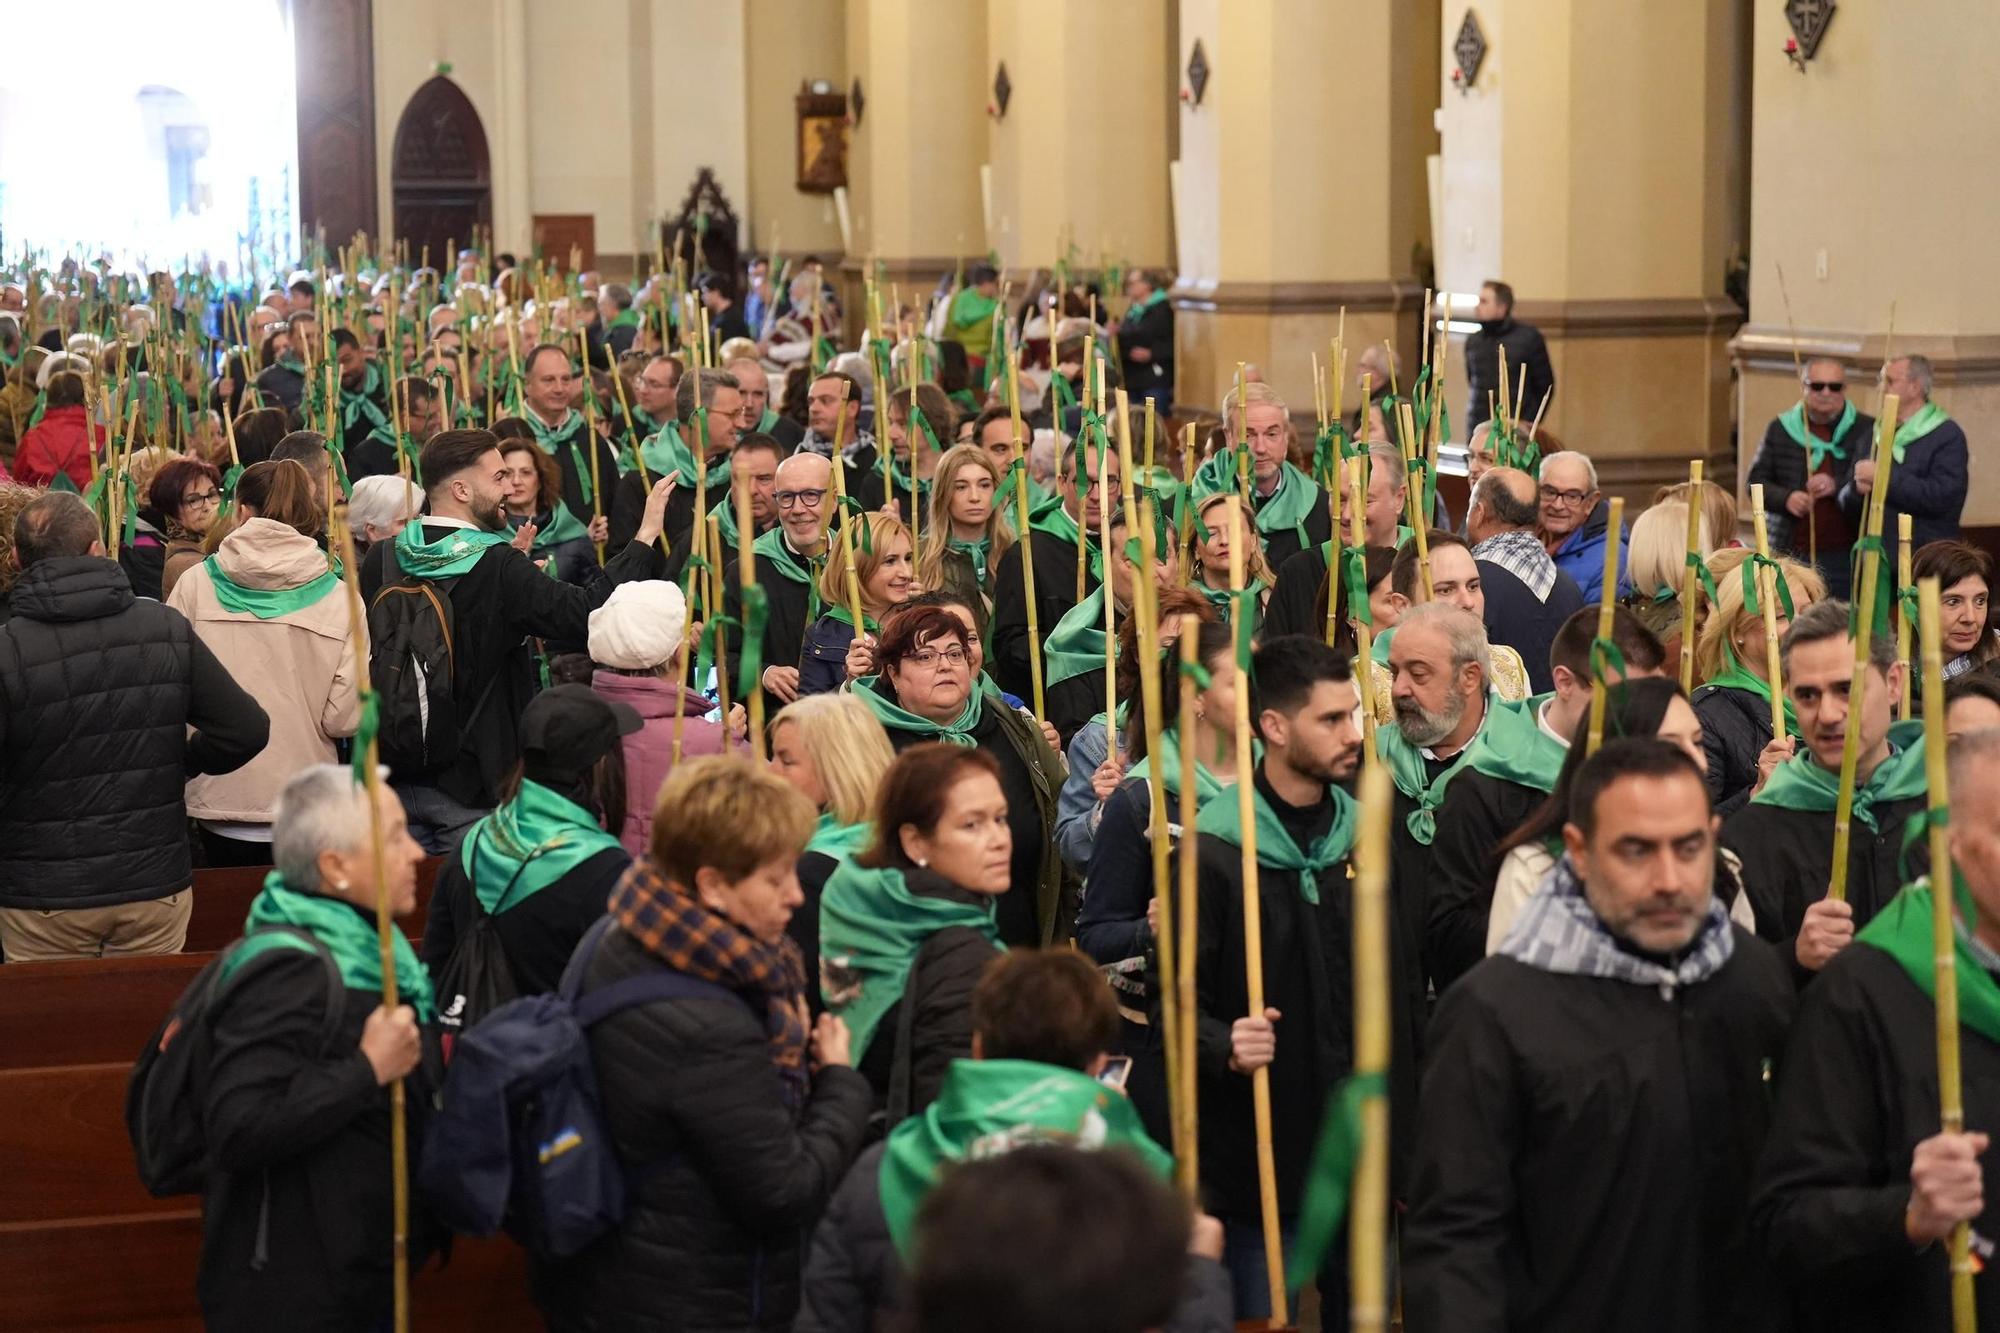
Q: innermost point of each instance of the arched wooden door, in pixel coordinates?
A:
(441, 180)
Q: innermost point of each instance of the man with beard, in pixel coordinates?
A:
(1858, 1189)
(1806, 457)
(564, 433)
(463, 547)
(1055, 531)
(1498, 329)
(788, 562)
(1305, 707)
(1785, 834)
(1594, 1094)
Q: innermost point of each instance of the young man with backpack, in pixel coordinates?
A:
(452, 607)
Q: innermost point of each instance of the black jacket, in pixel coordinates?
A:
(98, 692)
(282, 383)
(1856, 1093)
(815, 869)
(1477, 813)
(728, 1180)
(299, 1138)
(1584, 1150)
(1295, 594)
(1482, 368)
(1008, 642)
(940, 985)
(1282, 544)
(1524, 622)
(1780, 467)
(496, 606)
(1735, 728)
(787, 604)
(1929, 485)
(538, 934)
(1152, 329)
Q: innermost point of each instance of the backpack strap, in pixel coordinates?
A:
(653, 985)
(293, 937)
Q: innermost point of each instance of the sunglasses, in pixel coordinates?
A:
(1827, 386)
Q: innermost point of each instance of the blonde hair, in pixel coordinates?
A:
(850, 751)
(1658, 552)
(880, 528)
(1255, 566)
(720, 812)
(1718, 509)
(1720, 625)
(937, 526)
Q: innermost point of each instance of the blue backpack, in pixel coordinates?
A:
(519, 1140)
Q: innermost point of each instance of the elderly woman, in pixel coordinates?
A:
(745, 1120)
(1734, 705)
(925, 692)
(182, 503)
(379, 507)
(296, 1102)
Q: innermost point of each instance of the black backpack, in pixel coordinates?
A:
(412, 664)
(477, 978)
(163, 1101)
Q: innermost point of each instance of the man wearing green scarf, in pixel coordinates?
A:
(1805, 458)
(1292, 509)
(1055, 532)
(1146, 341)
(1858, 1188)
(1785, 834)
(563, 432)
(1075, 648)
(1929, 479)
(788, 559)
(1304, 705)
(296, 1215)
(758, 415)
(284, 381)
(970, 321)
(708, 404)
(364, 397)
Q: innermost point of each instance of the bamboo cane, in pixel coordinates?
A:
(1767, 596)
(1027, 544)
(1903, 626)
(1165, 971)
(1864, 630)
(399, 1159)
(1110, 596)
(1690, 576)
(1944, 941)
(847, 521)
(746, 579)
(1187, 1154)
(1413, 497)
(715, 586)
(590, 434)
(1184, 533)
(1607, 606)
(1364, 661)
(1366, 1243)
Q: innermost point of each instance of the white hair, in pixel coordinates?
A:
(382, 500)
(1465, 631)
(321, 809)
(1569, 456)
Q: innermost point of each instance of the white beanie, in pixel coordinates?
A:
(57, 362)
(639, 627)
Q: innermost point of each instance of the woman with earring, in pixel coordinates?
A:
(907, 926)
(1211, 563)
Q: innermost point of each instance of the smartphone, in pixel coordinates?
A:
(1117, 1068)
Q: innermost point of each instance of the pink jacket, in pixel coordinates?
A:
(649, 752)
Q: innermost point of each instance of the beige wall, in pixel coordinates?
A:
(790, 42)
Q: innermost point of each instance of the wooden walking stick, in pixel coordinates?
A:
(1187, 1155)
(714, 610)
(399, 1148)
(590, 434)
(1367, 1216)
(746, 582)
(1944, 936)
(1364, 648)
(1690, 576)
(1767, 595)
(1904, 582)
(1864, 631)
(847, 521)
(1253, 918)
(1607, 606)
(1027, 544)
(1105, 589)
(1805, 424)
(1413, 496)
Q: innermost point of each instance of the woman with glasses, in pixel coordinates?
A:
(836, 649)
(182, 503)
(925, 692)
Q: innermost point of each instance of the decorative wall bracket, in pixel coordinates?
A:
(1003, 93)
(1470, 49)
(1197, 75)
(1808, 20)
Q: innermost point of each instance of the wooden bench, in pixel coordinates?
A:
(222, 899)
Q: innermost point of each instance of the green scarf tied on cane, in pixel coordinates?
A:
(348, 934)
(1751, 602)
(871, 927)
(267, 603)
(449, 556)
(1222, 817)
(528, 844)
(1801, 784)
(893, 717)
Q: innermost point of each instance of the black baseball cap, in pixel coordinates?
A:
(568, 728)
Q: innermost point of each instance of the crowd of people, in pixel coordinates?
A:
(835, 833)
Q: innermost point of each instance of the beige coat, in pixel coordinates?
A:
(298, 665)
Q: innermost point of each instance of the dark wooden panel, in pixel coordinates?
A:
(64, 1152)
(555, 233)
(94, 1011)
(222, 899)
(336, 105)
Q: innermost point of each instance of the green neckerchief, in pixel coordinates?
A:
(1794, 423)
(972, 312)
(1224, 601)
(1206, 784)
(449, 556)
(292, 363)
(348, 934)
(528, 844)
(1801, 784)
(869, 625)
(1515, 749)
(664, 451)
(1223, 817)
(988, 1107)
(959, 731)
(775, 549)
(1055, 521)
(268, 603)
(360, 405)
(1406, 761)
(1736, 676)
(870, 928)
(840, 841)
(563, 527)
(768, 422)
(975, 552)
(1289, 506)
(1378, 649)
(1902, 929)
(553, 438)
(1156, 296)
(1921, 423)
(1076, 645)
(624, 319)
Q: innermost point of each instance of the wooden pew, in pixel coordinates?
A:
(222, 899)
(87, 1012)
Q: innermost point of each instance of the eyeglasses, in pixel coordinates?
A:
(810, 499)
(200, 499)
(930, 660)
(1827, 386)
(1568, 499)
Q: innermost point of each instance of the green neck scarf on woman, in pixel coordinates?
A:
(564, 434)
(348, 934)
(1206, 784)
(1076, 645)
(1736, 676)
(528, 844)
(563, 527)
(1223, 817)
(449, 556)
(976, 553)
(1921, 423)
(959, 731)
(869, 625)
(1801, 784)
(870, 928)
(268, 603)
(840, 841)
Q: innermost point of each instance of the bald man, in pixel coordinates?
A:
(1527, 597)
(788, 558)
(759, 414)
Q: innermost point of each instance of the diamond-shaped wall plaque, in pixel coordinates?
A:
(1808, 19)
(1003, 89)
(1470, 48)
(855, 101)
(1197, 72)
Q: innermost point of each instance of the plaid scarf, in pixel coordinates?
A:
(1521, 554)
(1558, 932)
(689, 938)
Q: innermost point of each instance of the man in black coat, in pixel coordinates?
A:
(723, 404)
(1528, 599)
(499, 599)
(562, 432)
(1054, 533)
(1498, 329)
(1806, 456)
(1594, 1094)
(725, 316)
(1928, 481)
(1146, 340)
(1858, 1190)
(1785, 834)
(108, 704)
(788, 564)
